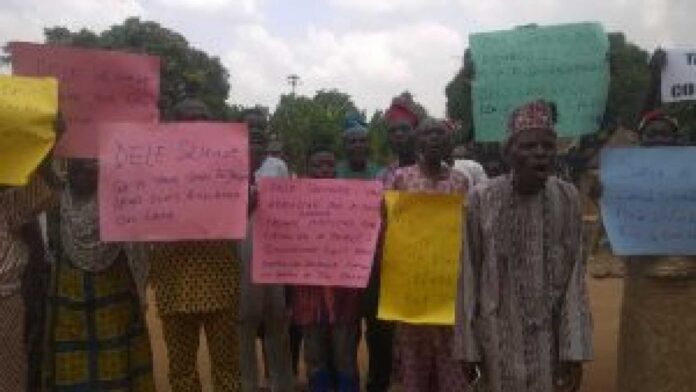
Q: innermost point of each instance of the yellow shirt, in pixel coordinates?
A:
(195, 277)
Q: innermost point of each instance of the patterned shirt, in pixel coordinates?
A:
(195, 277)
(17, 207)
(412, 179)
(522, 303)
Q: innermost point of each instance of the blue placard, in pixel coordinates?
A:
(649, 200)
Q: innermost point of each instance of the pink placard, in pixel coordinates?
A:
(94, 86)
(316, 232)
(173, 181)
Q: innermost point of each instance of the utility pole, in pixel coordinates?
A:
(293, 81)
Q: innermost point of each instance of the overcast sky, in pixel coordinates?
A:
(371, 49)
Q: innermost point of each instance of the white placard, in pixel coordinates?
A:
(679, 77)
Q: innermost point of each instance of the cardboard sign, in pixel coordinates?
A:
(316, 232)
(679, 78)
(96, 86)
(649, 200)
(565, 64)
(420, 263)
(175, 181)
(28, 109)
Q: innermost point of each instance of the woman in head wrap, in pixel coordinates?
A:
(401, 120)
(357, 147)
(657, 343)
(262, 306)
(424, 351)
(97, 337)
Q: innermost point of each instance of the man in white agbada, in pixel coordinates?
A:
(522, 310)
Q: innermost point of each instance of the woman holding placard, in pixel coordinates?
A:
(96, 336)
(424, 351)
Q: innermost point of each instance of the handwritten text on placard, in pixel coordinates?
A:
(649, 200)
(95, 86)
(421, 256)
(316, 232)
(176, 181)
(566, 64)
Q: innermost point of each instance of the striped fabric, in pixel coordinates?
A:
(97, 339)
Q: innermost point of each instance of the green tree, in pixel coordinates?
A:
(301, 121)
(379, 143)
(630, 82)
(185, 70)
(459, 105)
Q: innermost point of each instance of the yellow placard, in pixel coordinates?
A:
(420, 261)
(28, 108)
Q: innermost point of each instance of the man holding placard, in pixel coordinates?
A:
(197, 288)
(523, 315)
(262, 306)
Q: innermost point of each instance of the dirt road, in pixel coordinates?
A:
(599, 377)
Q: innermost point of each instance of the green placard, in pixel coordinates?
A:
(566, 64)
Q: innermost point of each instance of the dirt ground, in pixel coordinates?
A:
(599, 376)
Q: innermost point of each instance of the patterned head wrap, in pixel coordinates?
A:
(401, 110)
(533, 115)
(657, 115)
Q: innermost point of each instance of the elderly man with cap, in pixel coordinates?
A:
(522, 309)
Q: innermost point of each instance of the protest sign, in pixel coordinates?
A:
(316, 232)
(28, 109)
(421, 256)
(679, 77)
(94, 86)
(649, 200)
(173, 181)
(565, 64)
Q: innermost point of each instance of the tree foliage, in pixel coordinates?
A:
(459, 105)
(301, 122)
(185, 70)
(630, 82)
